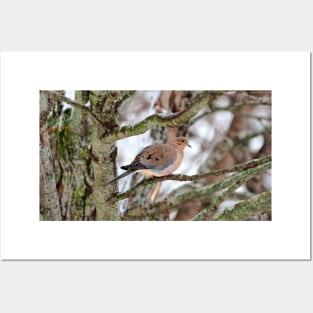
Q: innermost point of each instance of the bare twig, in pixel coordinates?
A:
(260, 118)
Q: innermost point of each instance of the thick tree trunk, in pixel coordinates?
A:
(49, 201)
(104, 153)
(104, 169)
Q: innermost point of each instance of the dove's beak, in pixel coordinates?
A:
(189, 145)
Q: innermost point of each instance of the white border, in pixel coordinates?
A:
(24, 237)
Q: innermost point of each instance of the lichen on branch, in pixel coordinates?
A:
(242, 210)
(59, 97)
(179, 177)
(230, 183)
(170, 120)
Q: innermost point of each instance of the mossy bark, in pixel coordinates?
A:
(103, 106)
(104, 169)
(49, 201)
(254, 205)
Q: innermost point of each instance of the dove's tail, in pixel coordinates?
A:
(119, 177)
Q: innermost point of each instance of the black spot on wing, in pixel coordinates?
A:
(135, 166)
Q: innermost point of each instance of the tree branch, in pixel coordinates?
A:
(181, 177)
(75, 104)
(59, 97)
(241, 211)
(231, 108)
(170, 120)
(232, 183)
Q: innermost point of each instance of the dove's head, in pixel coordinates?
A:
(181, 142)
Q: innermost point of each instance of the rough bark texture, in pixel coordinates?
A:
(103, 168)
(49, 201)
(104, 105)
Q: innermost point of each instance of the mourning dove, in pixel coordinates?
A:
(157, 160)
